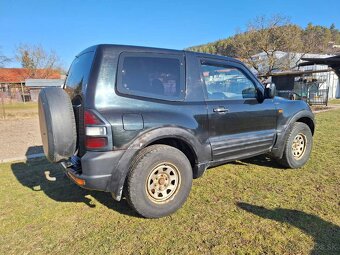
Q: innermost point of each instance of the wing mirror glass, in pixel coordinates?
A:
(270, 90)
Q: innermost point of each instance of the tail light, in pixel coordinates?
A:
(96, 132)
(91, 119)
(96, 142)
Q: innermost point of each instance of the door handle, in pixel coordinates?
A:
(220, 109)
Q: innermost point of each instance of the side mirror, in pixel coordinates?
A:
(270, 90)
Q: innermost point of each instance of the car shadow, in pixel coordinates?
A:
(34, 150)
(262, 160)
(326, 235)
(41, 176)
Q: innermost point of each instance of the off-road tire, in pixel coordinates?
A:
(288, 160)
(141, 169)
(57, 124)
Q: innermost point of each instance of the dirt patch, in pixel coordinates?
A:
(19, 138)
(323, 108)
(320, 107)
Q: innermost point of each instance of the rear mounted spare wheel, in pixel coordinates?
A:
(57, 124)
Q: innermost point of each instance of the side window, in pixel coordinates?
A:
(227, 82)
(151, 75)
(78, 73)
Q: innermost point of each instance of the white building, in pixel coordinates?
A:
(327, 79)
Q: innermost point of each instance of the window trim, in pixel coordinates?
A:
(224, 63)
(120, 90)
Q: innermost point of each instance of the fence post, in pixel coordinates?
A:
(307, 95)
(3, 105)
(22, 93)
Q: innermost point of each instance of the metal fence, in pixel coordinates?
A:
(319, 97)
(310, 93)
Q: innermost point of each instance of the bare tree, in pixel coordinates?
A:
(270, 44)
(262, 44)
(38, 62)
(4, 60)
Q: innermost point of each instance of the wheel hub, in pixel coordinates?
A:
(163, 183)
(299, 146)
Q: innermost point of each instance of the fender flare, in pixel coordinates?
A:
(280, 144)
(122, 169)
(301, 114)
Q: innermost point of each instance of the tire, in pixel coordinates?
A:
(57, 124)
(298, 146)
(158, 169)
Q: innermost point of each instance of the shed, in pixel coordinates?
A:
(332, 62)
(35, 85)
(12, 82)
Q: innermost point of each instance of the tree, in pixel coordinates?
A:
(270, 44)
(335, 34)
(4, 60)
(262, 44)
(38, 62)
(317, 39)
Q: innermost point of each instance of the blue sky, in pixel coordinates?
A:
(70, 26)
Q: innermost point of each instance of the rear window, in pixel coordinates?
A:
(159, 76)
(79, 73)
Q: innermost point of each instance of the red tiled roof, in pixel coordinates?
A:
(16, 75)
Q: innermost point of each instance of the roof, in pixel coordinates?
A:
(296, 73)
(42, 83)
(152, 50)
(117, 47)
(331, 61)
(17, 75)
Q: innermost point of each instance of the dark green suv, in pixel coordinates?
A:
(142, 122)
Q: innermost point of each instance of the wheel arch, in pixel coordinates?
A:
(180, 144)
(303, 116)
(309, 122)
(176, 137)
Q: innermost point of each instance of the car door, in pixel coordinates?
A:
(240, 125)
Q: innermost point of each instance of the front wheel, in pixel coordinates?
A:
(298, 146)
(159, 181)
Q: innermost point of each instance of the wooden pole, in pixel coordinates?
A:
(22, 92)
(3, 105)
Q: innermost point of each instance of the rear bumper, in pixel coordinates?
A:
(93, 170)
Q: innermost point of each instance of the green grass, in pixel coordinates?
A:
(19, 110)
(245, 207)
(334, 101)
(21, 106)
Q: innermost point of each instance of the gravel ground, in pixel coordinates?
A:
(19, 138)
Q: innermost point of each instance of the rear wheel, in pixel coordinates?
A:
(159, 181)
(298, 146)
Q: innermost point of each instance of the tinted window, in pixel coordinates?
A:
(78, 73)
(223, 82)
(151, 75)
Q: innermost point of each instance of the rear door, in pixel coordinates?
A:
(239, 125)
(75, 85)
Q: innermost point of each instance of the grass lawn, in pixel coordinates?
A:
(334, 101)
(245, 207)
(19, 110)
(21, 105)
